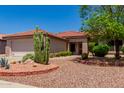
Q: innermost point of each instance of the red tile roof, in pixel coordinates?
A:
(71, 34)
(2, 35)
(30, 33)
(61, 35)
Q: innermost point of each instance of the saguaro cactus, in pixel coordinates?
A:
(41, 47)
(47, 48)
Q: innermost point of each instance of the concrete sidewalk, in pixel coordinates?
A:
(6, 84)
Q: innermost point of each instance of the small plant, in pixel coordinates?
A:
(4, 63)
(7, 66)
(59, 54)
(84, 56)
(101, 50)
(52, 55)
(64, 53)
(19, 62)
(28, 56)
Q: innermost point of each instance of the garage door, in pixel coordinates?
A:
(21, 47)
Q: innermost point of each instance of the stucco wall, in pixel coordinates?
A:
(20, 47)
(79, 40)
(2, 47)
(84, 46)
(57, 45)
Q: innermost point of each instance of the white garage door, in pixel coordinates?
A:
(21, 47)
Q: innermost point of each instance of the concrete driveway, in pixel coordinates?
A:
(6, 84)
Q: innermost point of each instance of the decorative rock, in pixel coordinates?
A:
(14, 62)
(34, 65)
(19, 62)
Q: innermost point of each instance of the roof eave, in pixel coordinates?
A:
(24, 36)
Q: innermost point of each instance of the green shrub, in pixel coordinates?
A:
(52, 55)
(84, 56)
(62, 53)
(28, 56)
(122, 49)
(91, 45)
(101, 50)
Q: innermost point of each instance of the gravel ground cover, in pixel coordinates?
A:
(29, 68)
(75, 75)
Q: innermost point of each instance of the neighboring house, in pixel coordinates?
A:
(2, 44)
(22, 43)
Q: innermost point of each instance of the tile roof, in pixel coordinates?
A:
(30, 33)
(71, 34)
(61, 35)
(1, 36)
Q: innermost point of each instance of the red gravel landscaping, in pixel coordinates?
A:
(103, 62)
(29, 68)
(75, 75)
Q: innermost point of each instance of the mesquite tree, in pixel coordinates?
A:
(104, 23)
(41, 47)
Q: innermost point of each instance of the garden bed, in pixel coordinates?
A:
(102, 61)
(29, 68)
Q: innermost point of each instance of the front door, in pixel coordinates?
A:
(72, 48)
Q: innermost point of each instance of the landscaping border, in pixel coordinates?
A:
(28, 73)
(104, 64)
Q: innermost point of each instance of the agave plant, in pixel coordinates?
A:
(4, 63)
(7, 66)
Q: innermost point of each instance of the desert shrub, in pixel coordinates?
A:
(122, 49)
(62, 53)
(52, 55)
(28, 56)
(101, 50)
(84, 56)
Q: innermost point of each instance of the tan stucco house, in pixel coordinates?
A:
(2, 44)
(21, 43)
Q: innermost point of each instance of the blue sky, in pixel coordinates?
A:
(51, 18)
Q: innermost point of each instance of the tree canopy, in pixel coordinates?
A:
(103, 22)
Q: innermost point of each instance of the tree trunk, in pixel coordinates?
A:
(117, 55)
